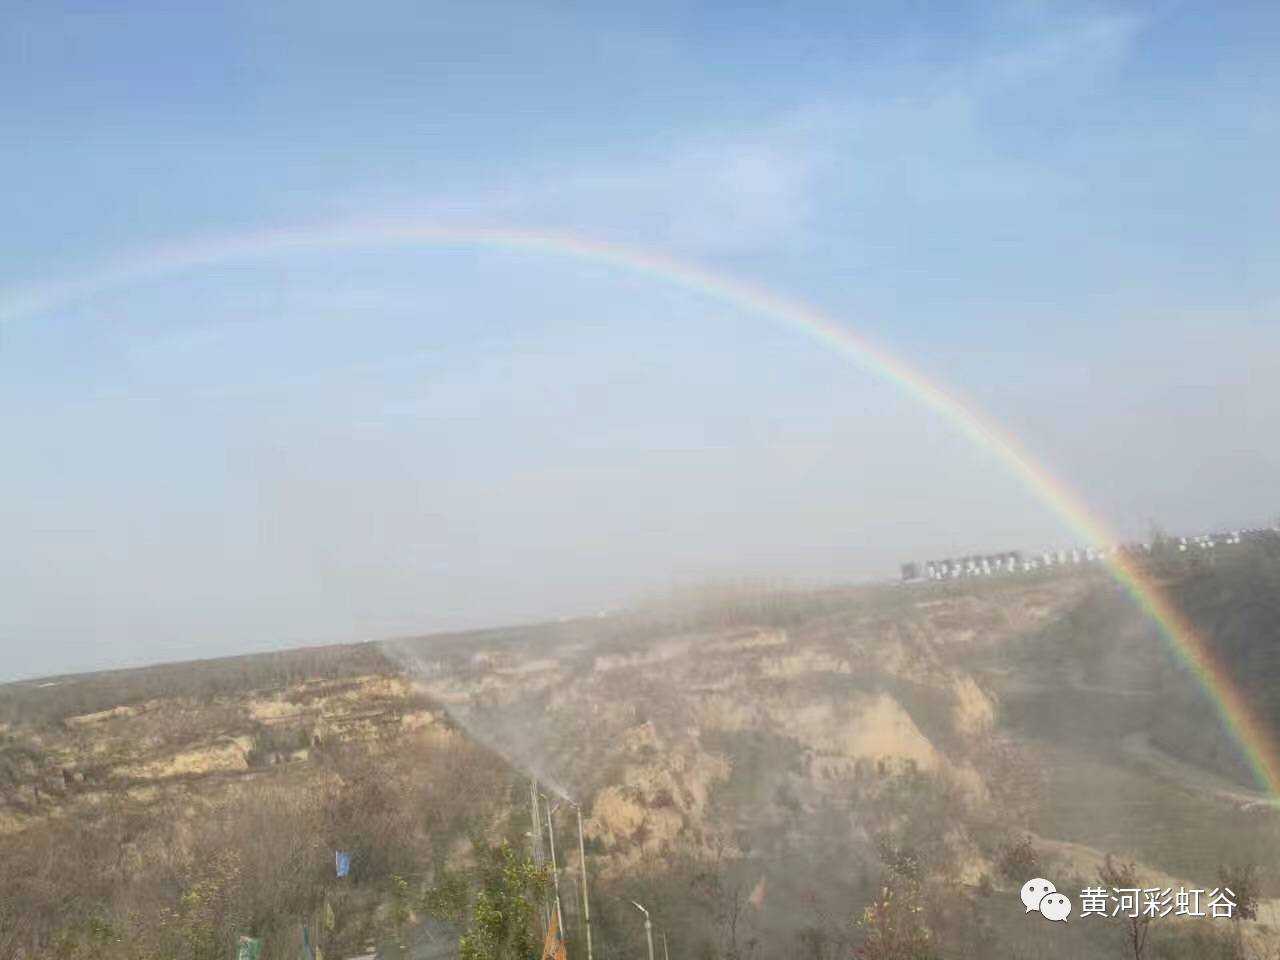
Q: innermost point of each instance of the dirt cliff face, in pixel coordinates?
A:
(182, 747)
(682, 740)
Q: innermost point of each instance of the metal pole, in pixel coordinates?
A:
(555, 870)
(665, 954)
(582, 858)
(537, 822)
(537, 842)
(648, 927)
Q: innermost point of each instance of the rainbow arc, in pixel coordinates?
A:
(1258, 746)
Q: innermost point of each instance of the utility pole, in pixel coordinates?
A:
(582, 863)
(555, 870)
(648, 927)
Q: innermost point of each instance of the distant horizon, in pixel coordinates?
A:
(635, 605)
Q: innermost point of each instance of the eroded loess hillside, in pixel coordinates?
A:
(754, 767)
(167, 747)
(659, 731)
(765, 742)
(170, 826)
(802, 750)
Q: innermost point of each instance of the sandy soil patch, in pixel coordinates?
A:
(229, 754)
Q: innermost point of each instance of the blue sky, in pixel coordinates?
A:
(1067, 211)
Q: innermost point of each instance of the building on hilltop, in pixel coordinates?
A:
(1013, 561)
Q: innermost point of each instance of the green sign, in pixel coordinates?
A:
(249, 949)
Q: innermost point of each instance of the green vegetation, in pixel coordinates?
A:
(501, 914)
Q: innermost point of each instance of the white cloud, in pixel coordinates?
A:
(908, 130)
(1074, 51)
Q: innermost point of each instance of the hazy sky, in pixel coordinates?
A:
(1067, 212)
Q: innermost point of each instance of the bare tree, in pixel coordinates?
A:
(1242, 880)
(1123, 876)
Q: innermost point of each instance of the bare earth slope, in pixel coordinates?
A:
(751, 766)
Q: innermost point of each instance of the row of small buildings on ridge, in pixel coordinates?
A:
(1015, 561)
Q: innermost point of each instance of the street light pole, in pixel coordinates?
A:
(582, 863)
(648, 927)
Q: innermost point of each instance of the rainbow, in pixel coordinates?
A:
(1258, 746)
